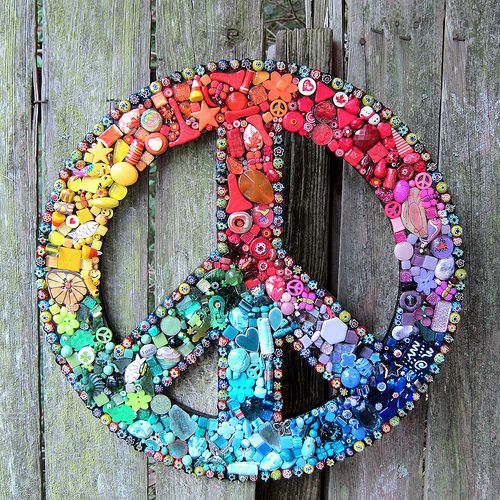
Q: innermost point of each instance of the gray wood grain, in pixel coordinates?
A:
(464, 411)
(394, 53)
(307, 176)
(329, 14)
(190, 33)
(20, 467)
(94, 51)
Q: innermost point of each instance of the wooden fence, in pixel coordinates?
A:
(435, 61)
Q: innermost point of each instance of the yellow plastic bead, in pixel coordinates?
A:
(105, 202)
(441, 187)
(107, 213)
(456, 230)
(345, 316)
(199, 471)
(461, 274)
(454, 318)
(74, 183)
(359, 446)
(106, 419)
(124, 173)
(45, 316)
(90, 184)
(120, 151)
(308, 469)
(184, 288)
(117, 191)
(106, 181)
(276, 474)
(56, 238)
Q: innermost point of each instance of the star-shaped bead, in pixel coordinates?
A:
(206, 116)
(100, 153)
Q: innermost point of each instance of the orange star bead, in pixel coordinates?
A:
(280, 86)
(206, 116)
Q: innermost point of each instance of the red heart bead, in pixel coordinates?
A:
(345, 144)
(385, 129)
(352, 106)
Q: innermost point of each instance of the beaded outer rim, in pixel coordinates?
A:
(375, 381)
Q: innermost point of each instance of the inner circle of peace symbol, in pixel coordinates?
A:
(249, 297)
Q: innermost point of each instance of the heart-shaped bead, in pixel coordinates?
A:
(345, 144)
(352, 106)
(249, 340)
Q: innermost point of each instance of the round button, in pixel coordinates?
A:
(442, 247)
(156, 143)
(325, 112)
(86, 355)
(262, 215)
(340, 99)
(293, 121)
(409, 301)
(72, 221)
(240, 222)
(403, 250)
(307, 86)
(160, 404)
(151, 120)
(322, 134)
(170, 325)
(260, 248)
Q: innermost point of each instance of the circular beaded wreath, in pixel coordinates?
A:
(249, 297)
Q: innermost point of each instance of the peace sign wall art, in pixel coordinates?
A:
(249, 298)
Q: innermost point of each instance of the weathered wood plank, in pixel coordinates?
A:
(307, 179)
(329, 14)
(394, 52)
(194, 33)
(462, 455)
(20, 464)
(94, 51)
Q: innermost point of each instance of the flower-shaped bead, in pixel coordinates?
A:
(425, 281)
(424, 315)
(66, 322)
(226, 430)
(280, 86)
(241, 388)
(347, 360)
(138, 400)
